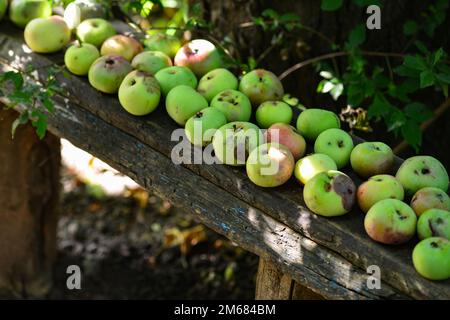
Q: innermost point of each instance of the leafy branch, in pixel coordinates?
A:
(36, 98)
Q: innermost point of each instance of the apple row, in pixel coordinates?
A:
(217, 109)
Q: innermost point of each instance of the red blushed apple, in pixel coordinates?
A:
(287, 135)
(201, 56)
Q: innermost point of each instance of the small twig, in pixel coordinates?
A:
(335, 55)
(388, 63)
(438, 112)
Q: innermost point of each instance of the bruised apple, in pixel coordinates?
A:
(330, 193)
(390, 221)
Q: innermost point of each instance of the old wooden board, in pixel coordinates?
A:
(343, 236)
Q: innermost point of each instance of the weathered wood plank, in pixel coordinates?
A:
(273, 284)
(344, 235)
(314, 266)
(29, 201)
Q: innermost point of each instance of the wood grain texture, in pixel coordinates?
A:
(29, 195)
(273, 284)
(343, 236)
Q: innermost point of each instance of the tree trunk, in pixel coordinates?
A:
(29, 189)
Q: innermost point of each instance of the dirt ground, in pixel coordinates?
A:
(135, 245)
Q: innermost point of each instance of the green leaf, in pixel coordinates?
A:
(357, 36)
(437, 56)
(418, 112)
(379, 107)
(22, 119)
(364, 3)
(331, 5)
(415, 63)
(39, 122)
(270, 13)
(395, 119)
(15, 77)
(337, 91)
(426, 79)
(410, 28)
(412, 134)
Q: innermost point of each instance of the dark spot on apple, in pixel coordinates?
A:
(416, 172)
(260, 79)
(132, 82)
(329, 143)
(440, 198)
(340, 144)
(377, 148)
(378, 179)
(235, 103)
(439, 221)
(94, 24)
(345, 188)
(434, 244)
(426, 171)
(327, 187)
(400, 215)
(109, 62)
(199, 114)
(220, 99)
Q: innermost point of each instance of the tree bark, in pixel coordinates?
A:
(29, 189)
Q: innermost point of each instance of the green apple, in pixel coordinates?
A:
(182, 102)
(330, 193)
(80, 10)
(271, 112)
(270, 165)
(372, 158)
(422, 171)
(95, 31)
(151, 61)
(172, 77)
(429, 198)
(3, 7)
(234, 141)
(260, 86)
(390, 221)
(307, 167)
(200, 128)
(38, 30)
(335, 143)
(139, 93)
(121, 45)
(288, 136)
(378, 188)
(234, 105)
(23, 11)
(434, 223)
(79, 58)
(431, 258)
(215, 82)
(164, 43)
(312, 122)
(199, 55)
(107, 73)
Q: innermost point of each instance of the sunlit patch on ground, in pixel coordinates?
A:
(130, 244)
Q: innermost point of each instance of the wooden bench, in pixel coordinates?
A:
(302, 255)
